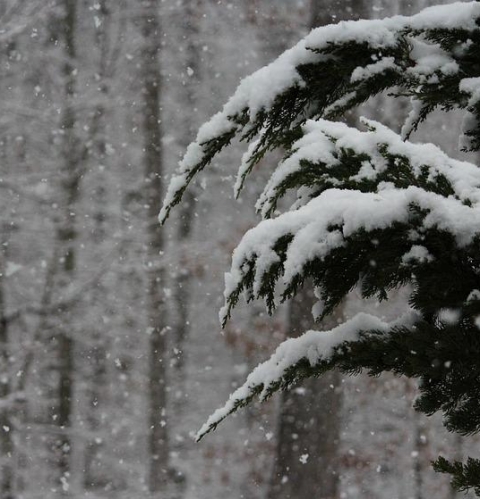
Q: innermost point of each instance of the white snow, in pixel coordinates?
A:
(313, 346)
(412, 118)
(259, 90)
(474, 295)
(453, 15)
(351, 210)
(449, 316)
(323, 140)
(12, 268)
(470, 86)
(417, 253)
(244, 166)
(303, 458)
(363, 73)
(430, 58)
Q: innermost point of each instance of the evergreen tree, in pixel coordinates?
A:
(372, 209)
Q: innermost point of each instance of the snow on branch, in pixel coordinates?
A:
(332, 70)
(286, 245)
(331, 154)
(373, 210)
(470, 138)
(313, 348)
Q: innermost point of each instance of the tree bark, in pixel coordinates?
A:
(156, 312)
(6, 428)
(182, 291)
(93, 477)
(324, 12)
(70, 173)
(306, 460)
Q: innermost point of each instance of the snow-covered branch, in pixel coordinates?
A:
(332, 70)
(313, 349)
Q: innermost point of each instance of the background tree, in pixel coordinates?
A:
(190, 20)
(103, 304)
(63, 338)
(308, 446)
(156, 306)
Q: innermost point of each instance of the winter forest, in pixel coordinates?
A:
(112, 356)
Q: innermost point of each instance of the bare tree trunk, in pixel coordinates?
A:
(457, 445)
(6, 428)
(306, 461)
(324, 12)
(182, 286)
(62, 339)
(156, 312)
(97, 350)
(419, 464)
(182, 291)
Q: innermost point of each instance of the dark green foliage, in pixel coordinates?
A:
(321, 176)
(426, 247)
(465, 476)
(326, 90)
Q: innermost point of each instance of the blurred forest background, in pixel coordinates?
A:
(110, 350)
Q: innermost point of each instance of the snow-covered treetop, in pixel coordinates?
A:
(372, 210)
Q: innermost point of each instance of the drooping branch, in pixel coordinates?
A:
(336, 68)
